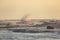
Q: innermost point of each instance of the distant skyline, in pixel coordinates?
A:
(38, 9)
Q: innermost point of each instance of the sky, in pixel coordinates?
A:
(37, 9)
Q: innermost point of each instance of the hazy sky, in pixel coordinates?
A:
(16, 9)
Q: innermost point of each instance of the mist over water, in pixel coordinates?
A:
(9, 35)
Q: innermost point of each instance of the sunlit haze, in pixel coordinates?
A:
(37, 9)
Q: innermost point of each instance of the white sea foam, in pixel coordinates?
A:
(8, 35)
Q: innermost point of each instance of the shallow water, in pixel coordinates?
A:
(9, 35)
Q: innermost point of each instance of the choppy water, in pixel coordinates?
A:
(9, 35)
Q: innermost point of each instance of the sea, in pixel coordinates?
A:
(9, 35)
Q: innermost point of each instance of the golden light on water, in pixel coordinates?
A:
(15, 9)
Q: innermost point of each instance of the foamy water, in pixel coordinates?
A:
(9, 35)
